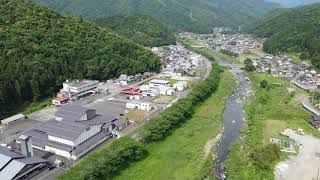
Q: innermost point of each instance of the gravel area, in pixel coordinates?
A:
(305, 165)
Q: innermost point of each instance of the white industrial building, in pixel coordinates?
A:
(148, 90)
(159, 82)
(74, 131)
(143, 106)
(180, 86)
(165, 90)
(76, 88)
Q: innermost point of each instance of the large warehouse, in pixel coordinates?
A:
(74, 131)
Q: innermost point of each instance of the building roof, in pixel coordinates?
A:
(69, 128)
(77, 83)
(11, 163)
(12, 118)
(159, 81)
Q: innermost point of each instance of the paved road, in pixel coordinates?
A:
(308, 105)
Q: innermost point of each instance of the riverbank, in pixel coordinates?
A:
(184, 154)
(266, 116)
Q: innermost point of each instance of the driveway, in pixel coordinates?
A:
(304, 166)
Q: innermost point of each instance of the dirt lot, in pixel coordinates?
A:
(164, 99)
(304, 166)
(138, 115)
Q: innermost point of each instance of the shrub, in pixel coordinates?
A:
(263, 157)
(248, 65)
(264, 84)
(107, 161)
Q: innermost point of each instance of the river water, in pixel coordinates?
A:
(232, 118)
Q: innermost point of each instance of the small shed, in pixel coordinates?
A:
(13, 119)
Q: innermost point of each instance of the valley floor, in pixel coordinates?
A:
(187, 153)
(267, 115)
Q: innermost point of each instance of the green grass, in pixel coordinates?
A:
(194, 42)
(36, 106)
(265, 120)
(181, 155)
(214, 53)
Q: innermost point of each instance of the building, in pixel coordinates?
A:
(16, 166)
(131, 91)
(315, 121)
(147, 90)
(74, 89)
(180, 86)
(12, 119)
(58, 101)
(74, 131)
(143, 106)
(159, 82)
(165, 90)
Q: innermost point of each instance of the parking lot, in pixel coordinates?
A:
(305, 165)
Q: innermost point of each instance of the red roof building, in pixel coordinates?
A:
(131, 90)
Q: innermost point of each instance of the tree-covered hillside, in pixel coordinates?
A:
(142, 29)
(292, 30)
(40, 48)
(293, 3)
(179, 15)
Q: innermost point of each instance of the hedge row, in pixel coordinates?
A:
(107, 161)
(160, 127)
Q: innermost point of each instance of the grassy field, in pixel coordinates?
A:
(194, 42)
(183, 154)
(214, 53)
(36, 106)
(267, 115)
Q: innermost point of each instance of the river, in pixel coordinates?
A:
(232, 118)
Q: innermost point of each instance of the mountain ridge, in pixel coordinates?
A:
(178, 15)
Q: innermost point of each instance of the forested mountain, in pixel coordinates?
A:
(40, 48)
(293, 3)
(292, 30)
(142, 29)
(179, 15)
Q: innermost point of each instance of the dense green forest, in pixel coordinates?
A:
(292, 30)
(40, 48)
(179, 15)
(142, 29)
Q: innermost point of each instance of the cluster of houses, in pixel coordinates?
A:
(192, 36)
(179, 61)
(278, 65)
(154, 88)
(236, 43)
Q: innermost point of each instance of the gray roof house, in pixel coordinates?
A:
(74, 131)
(17, 166)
